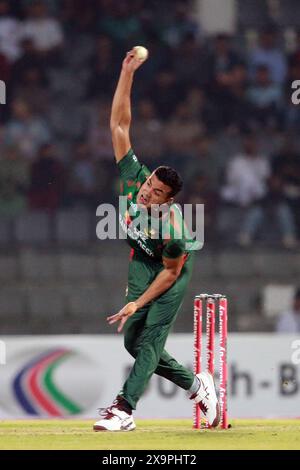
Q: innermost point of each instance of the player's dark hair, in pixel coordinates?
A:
(170, 177)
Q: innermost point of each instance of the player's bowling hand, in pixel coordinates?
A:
(123, 315)
(131, 62)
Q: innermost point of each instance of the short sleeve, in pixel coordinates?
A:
(129, 166)
(132, 173)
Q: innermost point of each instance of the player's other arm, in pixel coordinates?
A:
(163, 281)
(120, 118)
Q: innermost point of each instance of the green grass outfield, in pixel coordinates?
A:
(155, 434)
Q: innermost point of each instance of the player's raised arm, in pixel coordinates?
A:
(121, 107)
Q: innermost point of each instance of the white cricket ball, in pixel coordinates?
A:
(141, 52)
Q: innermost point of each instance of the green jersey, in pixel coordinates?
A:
(165, 237)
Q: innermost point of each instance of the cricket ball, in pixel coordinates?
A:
(140, 52)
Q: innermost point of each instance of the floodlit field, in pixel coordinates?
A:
(158, 434)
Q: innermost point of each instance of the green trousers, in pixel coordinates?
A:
(147, 330)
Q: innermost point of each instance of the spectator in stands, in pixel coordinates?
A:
(82, 184)
(292, 112)
(286, 165)
(14, 179)
(161, 59)
(201, 107)
(190, 62)
(54, 6)
(195, 99)
(100, 145)
(181, 24)
(32, 88)
(26, 131)
(29, 58)
(200, 191)
(46, 32)
(267, 53)
(272, 205)
(222, 60)
(289, 322)
(294, 58)
(147, 133)
(179, 134)
(10, 33)
(120, 22)
(229, 97)
(266, 98)
(249, 186)
(246, 175)
(5, 69)
(102, 69)
(204, 161)
(46, 180)
(79, 17)
(183, 127)
(228, 83)
(165, 92)
(99, 139)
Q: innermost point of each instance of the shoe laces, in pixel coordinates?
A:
(108, 413)
(206, 393)
(196, 393)
(202, 405)
(105, 413)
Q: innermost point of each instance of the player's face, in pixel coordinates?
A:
(154, 191)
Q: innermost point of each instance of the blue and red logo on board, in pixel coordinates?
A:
(49, 383)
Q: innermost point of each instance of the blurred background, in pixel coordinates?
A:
(213, 100)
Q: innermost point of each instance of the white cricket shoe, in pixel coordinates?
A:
(114, 419)
(206, 398)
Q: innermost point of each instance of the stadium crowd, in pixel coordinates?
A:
(217, 109)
